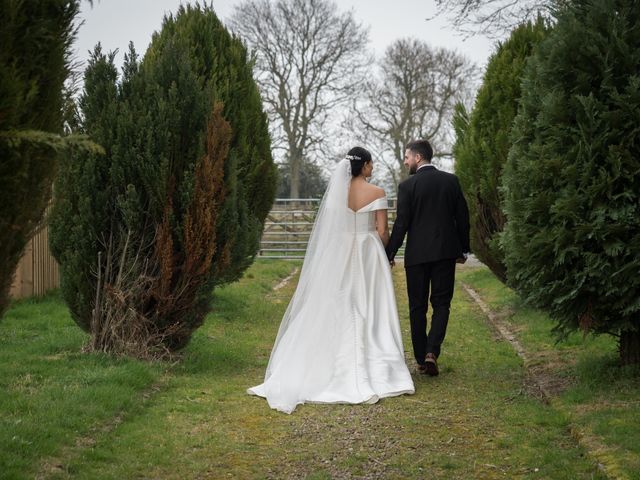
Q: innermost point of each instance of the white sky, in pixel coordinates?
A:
(115, 22)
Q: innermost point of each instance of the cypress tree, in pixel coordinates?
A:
(482, 141)
(81, 218)
(177, 204)
(572, 182)
(35, 39)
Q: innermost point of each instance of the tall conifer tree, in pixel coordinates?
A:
(35, 48)
(177, 204)
(572, 180)
(482, 141)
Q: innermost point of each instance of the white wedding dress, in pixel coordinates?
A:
(339, 340)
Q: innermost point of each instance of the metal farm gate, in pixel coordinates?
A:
(288, 226)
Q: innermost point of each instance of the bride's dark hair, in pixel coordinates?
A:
(358, 157)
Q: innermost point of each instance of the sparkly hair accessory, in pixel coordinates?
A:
(353, 157)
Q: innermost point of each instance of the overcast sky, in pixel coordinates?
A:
(115, 22)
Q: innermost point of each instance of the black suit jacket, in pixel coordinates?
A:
(433, 213)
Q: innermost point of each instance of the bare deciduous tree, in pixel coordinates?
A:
(309, 60)
(414, 97)
(493, 18)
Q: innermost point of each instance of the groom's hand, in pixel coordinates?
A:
(462, 259)
(392, 263)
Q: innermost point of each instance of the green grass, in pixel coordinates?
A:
(194, 419)
(52, 393)
(600, 397)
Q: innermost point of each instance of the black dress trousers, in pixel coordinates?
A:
(435, 278)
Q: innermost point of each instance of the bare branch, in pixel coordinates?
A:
(492, 18)
(414, 98)
(310, 58)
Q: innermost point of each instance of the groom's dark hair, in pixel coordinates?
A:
(422, 147)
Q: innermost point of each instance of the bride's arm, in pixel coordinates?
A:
(382, 226)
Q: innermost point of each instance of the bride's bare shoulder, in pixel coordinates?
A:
(376, 192)
(362, 194)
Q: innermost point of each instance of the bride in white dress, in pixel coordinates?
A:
(339, 340)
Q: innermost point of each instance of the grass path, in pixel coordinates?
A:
(580, 377)
(126, 419)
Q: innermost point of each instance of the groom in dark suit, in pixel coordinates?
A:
(433, 213)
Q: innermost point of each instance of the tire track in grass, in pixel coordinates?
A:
(58, 464)
(600, 454)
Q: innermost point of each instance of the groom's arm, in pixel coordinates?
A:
(401, 225)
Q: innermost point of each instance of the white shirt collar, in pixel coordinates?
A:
(426, 165)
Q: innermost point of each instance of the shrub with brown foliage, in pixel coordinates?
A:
(177, 203)
(140, 305)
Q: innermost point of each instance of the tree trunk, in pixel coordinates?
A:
(294, 165)
(403, 174)
(629, 347)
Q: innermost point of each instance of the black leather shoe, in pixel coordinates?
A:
(431, 365)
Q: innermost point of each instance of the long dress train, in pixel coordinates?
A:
(340, 339)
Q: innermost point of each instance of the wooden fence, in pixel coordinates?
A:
(37, 271)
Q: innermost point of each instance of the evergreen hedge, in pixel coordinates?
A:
(177, 204)
(572, 181)
(35, 41)
(482, 141)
